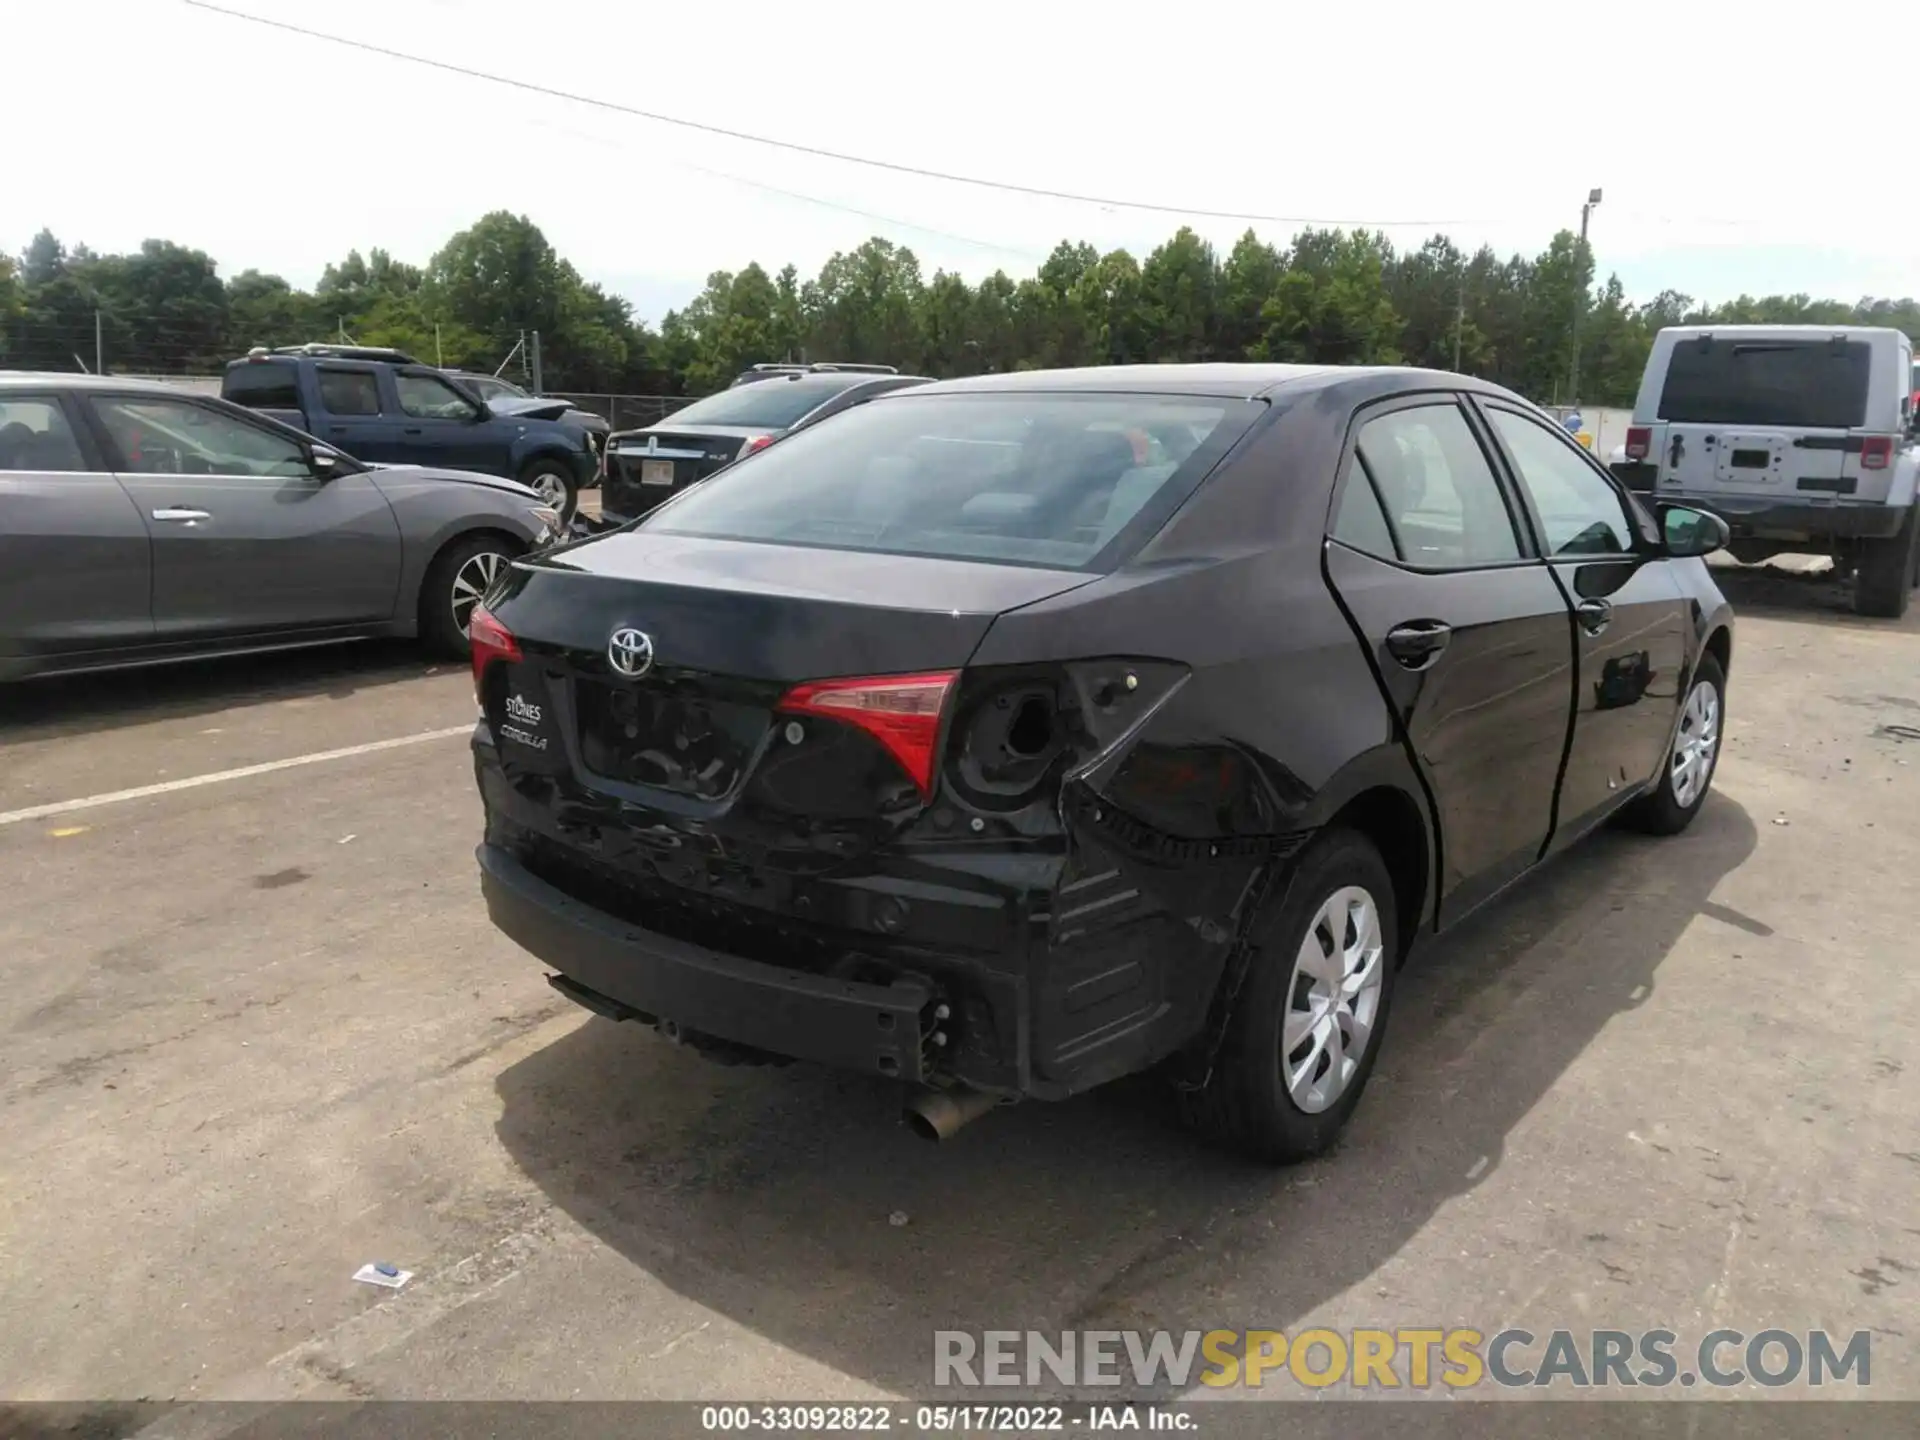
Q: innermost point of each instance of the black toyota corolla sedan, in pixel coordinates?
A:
(1008, 735)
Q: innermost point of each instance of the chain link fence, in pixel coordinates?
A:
(627, 412)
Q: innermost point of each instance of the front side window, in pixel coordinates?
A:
(34, 435)
(427, 397)
(1580, 513)
(176, 437)
(1035, 479)
(1437, 489)
(350, 392)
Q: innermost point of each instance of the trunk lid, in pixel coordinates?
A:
(729, 628)
(648, 466)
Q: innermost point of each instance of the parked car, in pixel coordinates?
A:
(386, 408)
(141, 523)
(1011, 734)
(504, 397)
(781, 369)
(1803, 437)
(644, 467)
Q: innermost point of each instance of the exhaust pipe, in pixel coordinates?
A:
(938, 1114)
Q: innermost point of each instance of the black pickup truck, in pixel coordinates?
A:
(386, 408)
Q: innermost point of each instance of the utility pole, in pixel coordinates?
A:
(1459, 318)
(99, 345)
(438, 362)
(1580, 301)
(533, 352)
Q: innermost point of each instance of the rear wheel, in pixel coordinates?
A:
(1883, 583)
(1304, 1033)
(556, 485)
(459, 576)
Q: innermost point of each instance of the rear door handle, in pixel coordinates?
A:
(1593, 615)
(181, 516)
(1418, 643)
(414, 430)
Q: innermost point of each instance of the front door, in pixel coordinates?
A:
(440, 426)
(1467, 630)
(1631, 619)
(247, 539)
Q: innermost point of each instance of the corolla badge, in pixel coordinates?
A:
(630, 652)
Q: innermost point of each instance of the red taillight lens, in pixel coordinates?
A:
(1639, 441)
(489, 641)
(902, 712)
(1876, 452)
(758, 442)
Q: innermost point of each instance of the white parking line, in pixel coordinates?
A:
(192, 782)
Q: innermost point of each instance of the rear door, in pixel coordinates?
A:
(75, 562)
(246, 538)
(1631, 618)
(1761, 417)
(350, 414)
(1467, 629)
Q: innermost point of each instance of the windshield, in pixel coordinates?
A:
(767, 404)
(1807, 384)
(1031, 479)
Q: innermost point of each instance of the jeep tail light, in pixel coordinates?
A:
(1639, 441)
(902, 712)
(1876, 452)
(758, 442)
(489, 641)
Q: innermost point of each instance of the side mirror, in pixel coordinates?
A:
(325, 463)
(1687, 531)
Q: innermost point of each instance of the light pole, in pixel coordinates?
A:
(1580, 300)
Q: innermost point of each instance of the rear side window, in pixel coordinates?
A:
(350, 392)
(262, 385)
(1361, 523)
(1036, 479)
(34, 435)
(1803, 384)
(1438, 490)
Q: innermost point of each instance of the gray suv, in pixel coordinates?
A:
(142, 523)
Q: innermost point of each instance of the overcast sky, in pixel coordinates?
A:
(1724, 170)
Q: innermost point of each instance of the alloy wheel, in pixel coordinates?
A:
(1697, 744)
(1334, 1000)
(551, 488)
(472, 581)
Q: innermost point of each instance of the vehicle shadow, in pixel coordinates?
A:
(106, 701)
(792, 1200)
(1813, 596)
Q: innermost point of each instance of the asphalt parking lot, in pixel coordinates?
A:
(259, 1032)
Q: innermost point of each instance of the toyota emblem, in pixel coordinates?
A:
(630, 652)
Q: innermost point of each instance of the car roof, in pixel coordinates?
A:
(1782, 332)
(60, 380)
(1217, 379)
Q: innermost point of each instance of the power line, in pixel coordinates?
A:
(1007, 186)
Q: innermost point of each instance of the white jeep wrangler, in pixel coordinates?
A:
(1802, 437)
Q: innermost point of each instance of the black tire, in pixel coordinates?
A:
(443, 611)
(555, 482)
(1246, 1104)
(1883, 582)
(1660, 811)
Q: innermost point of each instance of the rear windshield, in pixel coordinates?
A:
(772, 404)
(1809, 384)
(1027, 479)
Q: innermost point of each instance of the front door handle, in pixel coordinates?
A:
(1418, 643)
(181, 516)
(1593, 615)
(414, 430)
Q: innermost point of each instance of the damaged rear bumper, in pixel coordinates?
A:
(849, 1024)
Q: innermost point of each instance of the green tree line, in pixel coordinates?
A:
(1327, 296)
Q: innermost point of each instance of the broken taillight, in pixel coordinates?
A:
(902, 712)
(1876, 452)
(490, 641)
(1639, 441)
